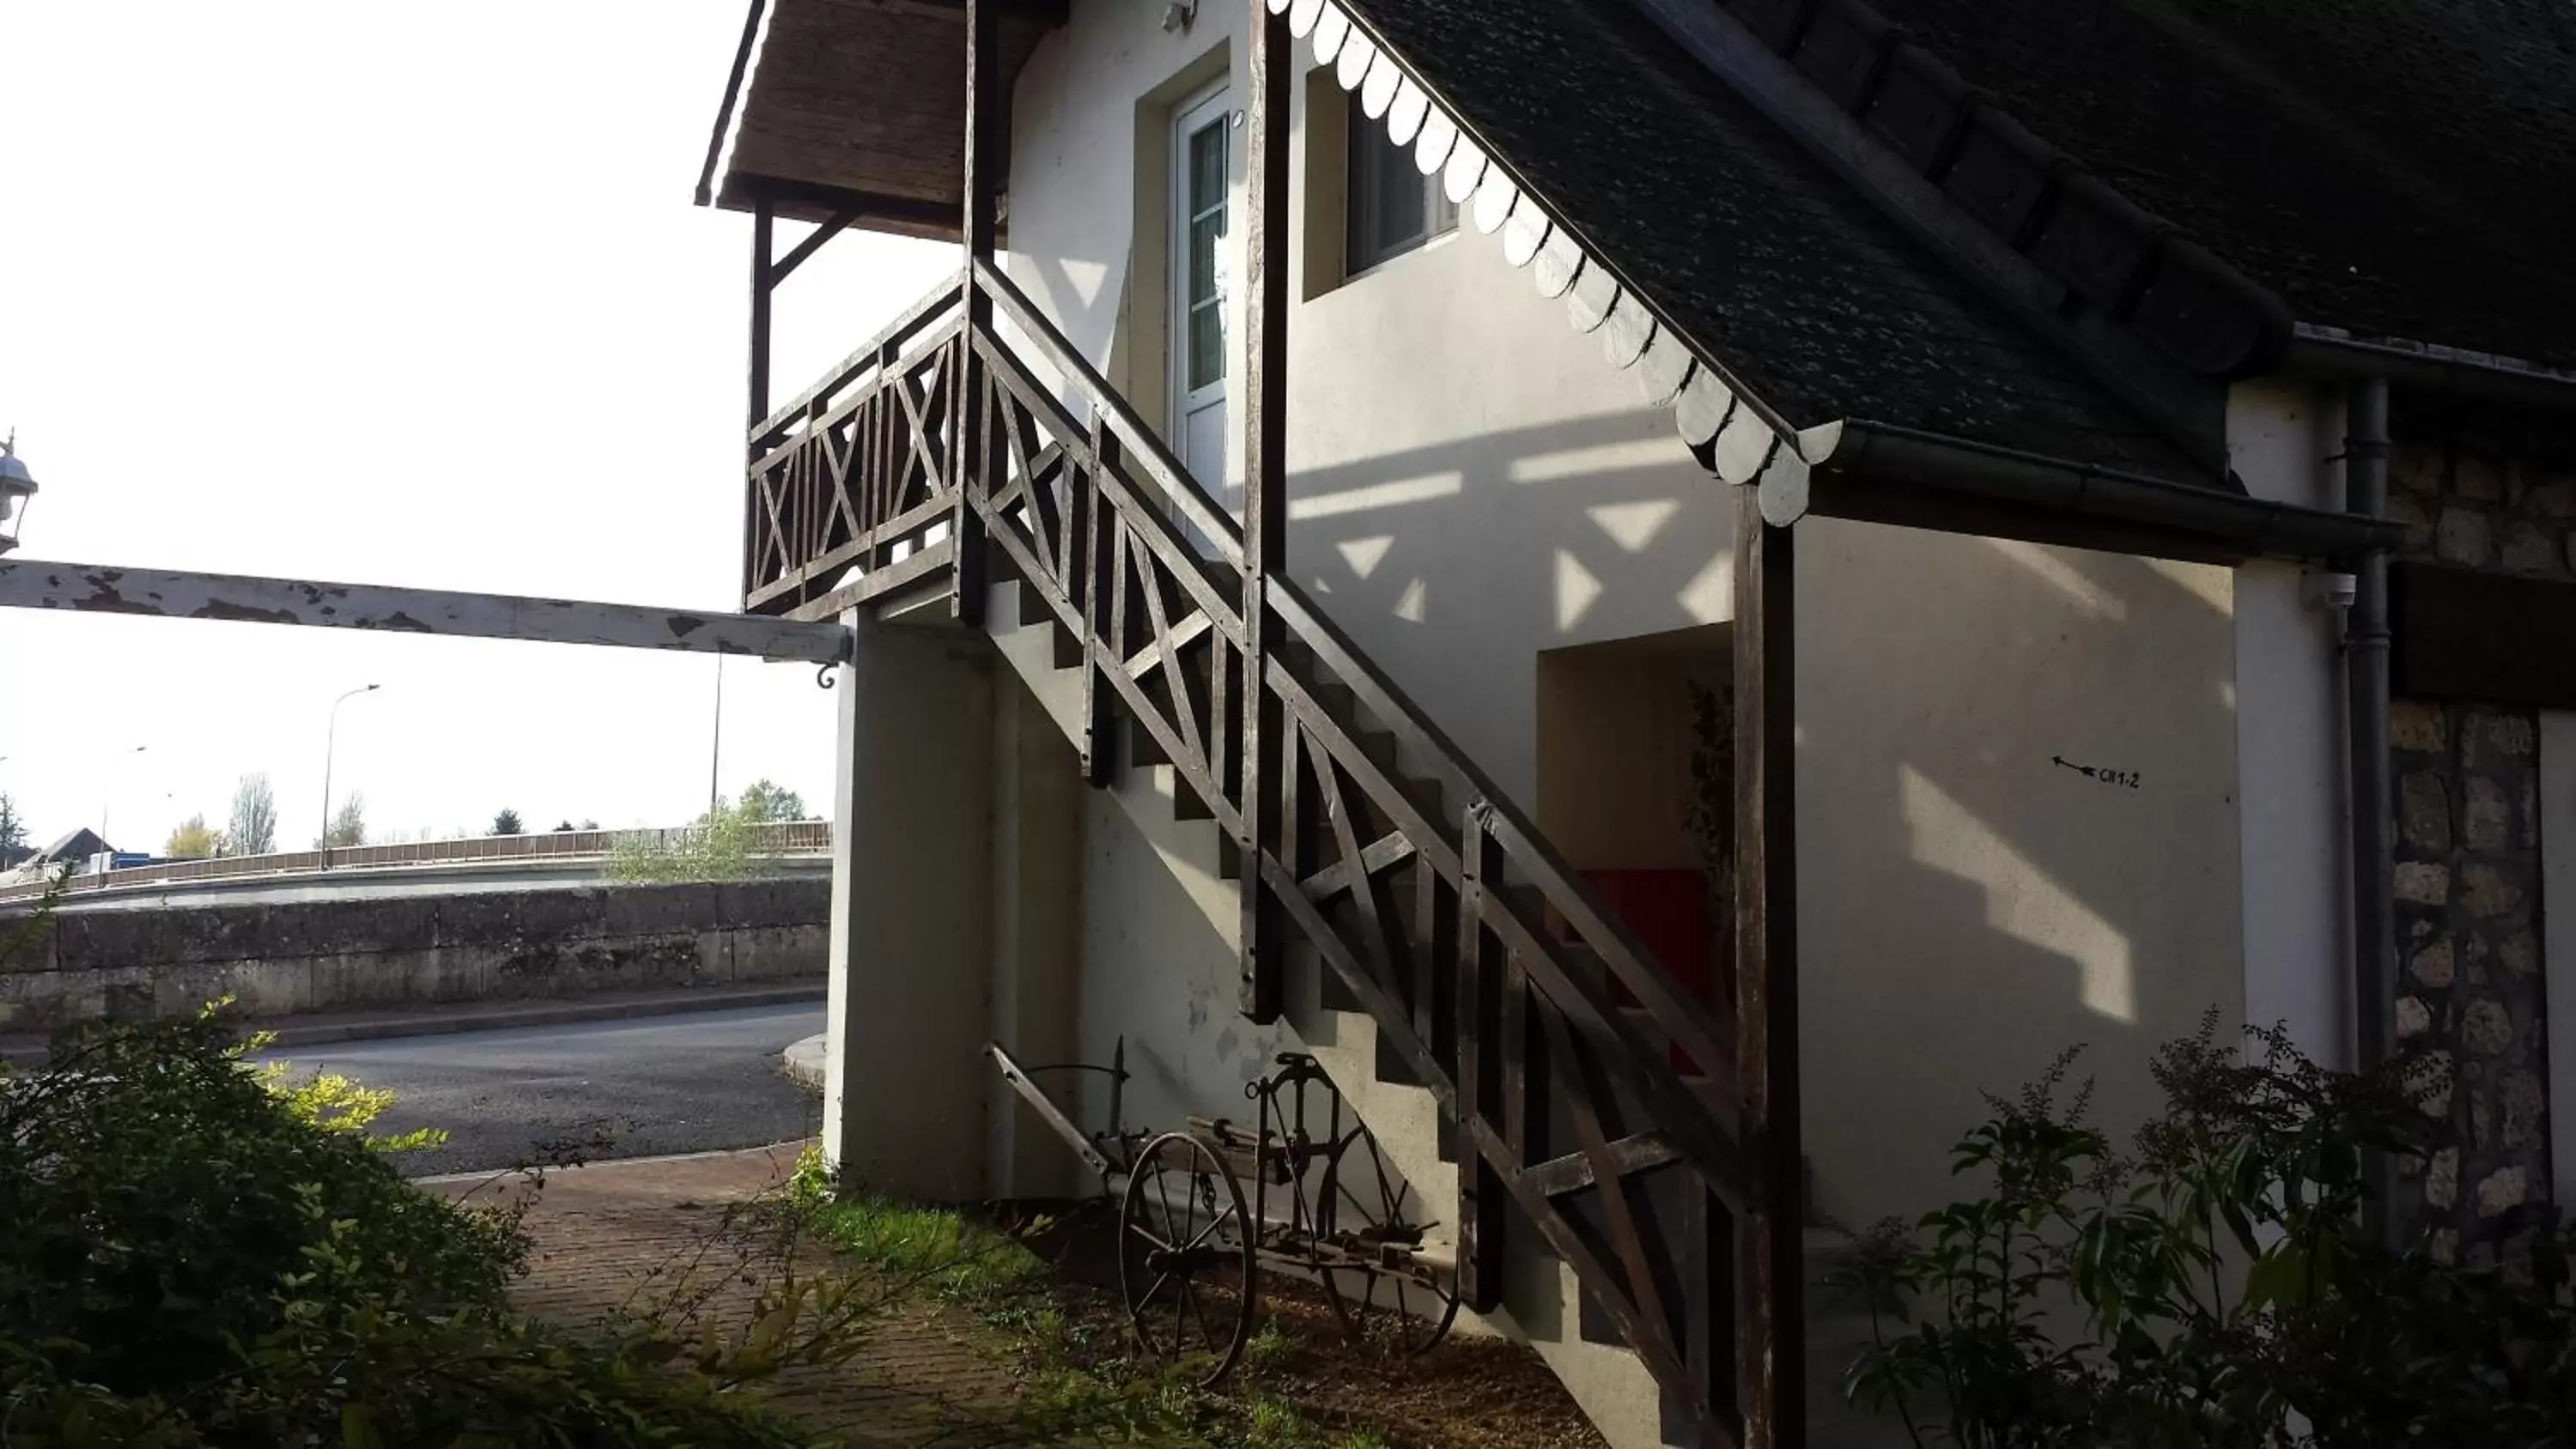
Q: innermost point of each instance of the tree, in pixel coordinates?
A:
(193, 840)
(764, 801)
(507, 823)
(348, 825)
(718, 847)
(253, 829)
(13, 829)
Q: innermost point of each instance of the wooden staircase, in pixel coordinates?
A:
(1583, 1106)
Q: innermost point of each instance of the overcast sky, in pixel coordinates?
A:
(391, 293)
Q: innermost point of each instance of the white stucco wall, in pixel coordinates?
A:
(1969, 903)
(1159, 964)
(2291, 741)
(1472, 483)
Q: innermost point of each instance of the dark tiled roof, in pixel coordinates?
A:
(2394, 167)
(1762, 257)
(78, 845)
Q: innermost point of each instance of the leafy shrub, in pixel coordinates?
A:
(718, 847)
(2216, 1285)
(202, 1253)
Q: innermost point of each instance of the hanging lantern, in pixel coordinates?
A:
(17, 487)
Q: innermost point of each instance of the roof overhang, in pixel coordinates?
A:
(857, 108)
(1874, 473)
(2329, 353)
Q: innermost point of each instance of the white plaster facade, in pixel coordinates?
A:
(2046, 796)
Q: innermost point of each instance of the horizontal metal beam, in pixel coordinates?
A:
(172, 594)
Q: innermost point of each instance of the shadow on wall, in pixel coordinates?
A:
(2017, 763)
(1456, 564)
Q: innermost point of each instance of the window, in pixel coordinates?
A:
(1393, 208)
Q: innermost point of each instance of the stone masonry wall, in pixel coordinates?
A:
(2468, 935)
(399, 951)
(2492, 493)
(2485, 500)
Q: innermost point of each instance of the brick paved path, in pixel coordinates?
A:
(609, 1236)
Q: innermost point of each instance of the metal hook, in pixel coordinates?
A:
(825, 679)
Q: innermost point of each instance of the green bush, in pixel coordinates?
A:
(718, 847)
(2215, 1285)
(198, 1252)
(155, 1189)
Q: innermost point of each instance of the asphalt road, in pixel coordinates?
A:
(636, 1088)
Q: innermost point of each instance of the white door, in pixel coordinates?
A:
(1201, 269)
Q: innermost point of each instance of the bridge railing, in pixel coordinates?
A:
(793, 837)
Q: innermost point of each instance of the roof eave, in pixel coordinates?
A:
(2331, 352)
(1877, 472)
(729, 111)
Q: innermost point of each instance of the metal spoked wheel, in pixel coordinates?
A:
(1369, 1233)
(1185, 1256)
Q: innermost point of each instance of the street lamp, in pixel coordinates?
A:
(106, 803)
(17, 487)
(330, 741)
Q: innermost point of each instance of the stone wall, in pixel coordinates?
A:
(399, 951)
(2486, 498)
(2495, 493)
(2468, 938)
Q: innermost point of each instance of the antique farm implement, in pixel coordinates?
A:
(1324, 1206)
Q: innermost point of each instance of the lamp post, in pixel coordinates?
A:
(715, 749)
(109, 801)
(17, 487)
(330, 742)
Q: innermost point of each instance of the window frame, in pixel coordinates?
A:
(1366, 151)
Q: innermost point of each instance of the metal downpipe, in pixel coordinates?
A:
(2366, 678)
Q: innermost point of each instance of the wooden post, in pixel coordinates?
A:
(1772, 1282)
(1265, 490)
(987, 93)
(763, 226)
(1483, 1201)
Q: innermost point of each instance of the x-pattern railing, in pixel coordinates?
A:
(855, 473)
(1596, 1094)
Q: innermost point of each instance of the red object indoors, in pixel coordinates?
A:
(1668, 912)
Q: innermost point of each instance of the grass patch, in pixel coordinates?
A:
(1080, 1380)
(956, 1260)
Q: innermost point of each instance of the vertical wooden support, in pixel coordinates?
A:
(1265, 492)
(987, 95)
(763, 229)
(1482, 1204)
(1092, 571)
(1772, 1284)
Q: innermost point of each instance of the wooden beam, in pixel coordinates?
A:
(1265, 491)
(732, 98)
(1771, 1284)
(819, 201)
(764, 226)
(1049, 13)
(986, 154)
(763, 240)
(2461, 633)
(824, 230)
(175, 594)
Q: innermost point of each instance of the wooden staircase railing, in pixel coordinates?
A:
(1598, 1096)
